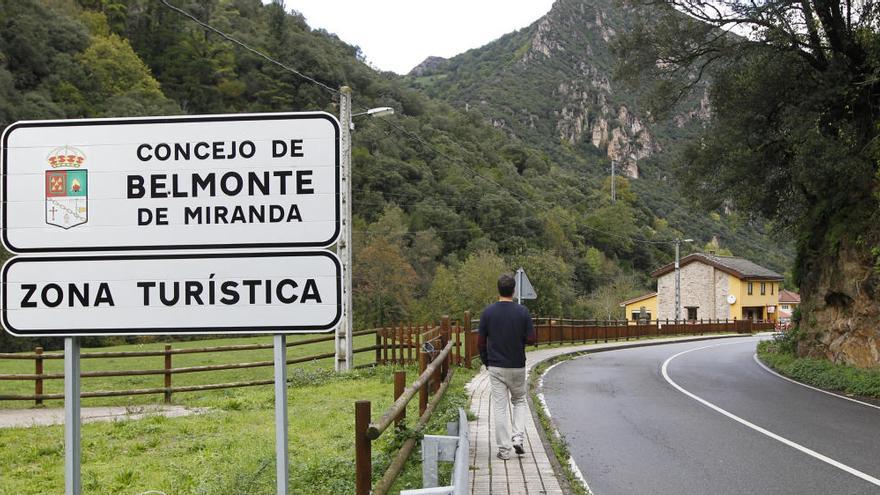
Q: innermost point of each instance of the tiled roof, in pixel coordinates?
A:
(637, 299)
(738, 267)
(787, 296)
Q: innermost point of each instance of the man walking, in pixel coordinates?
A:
(505, 329)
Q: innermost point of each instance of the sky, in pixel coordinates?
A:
(397, 35)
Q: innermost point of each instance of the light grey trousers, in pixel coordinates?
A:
(508, 389)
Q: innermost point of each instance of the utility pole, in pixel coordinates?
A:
(677, 282)
(613, 188)
(343, 361)
(678, 242)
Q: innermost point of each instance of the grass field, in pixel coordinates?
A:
(229, 450)
(178, 361)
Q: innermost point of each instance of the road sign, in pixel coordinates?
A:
(215, 181)
(171, 294)
(524, 289)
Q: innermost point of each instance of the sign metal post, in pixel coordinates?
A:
(72, 425)
(281, 457)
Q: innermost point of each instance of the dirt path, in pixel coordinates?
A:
(22, 418)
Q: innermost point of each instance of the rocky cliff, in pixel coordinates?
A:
(555, 78)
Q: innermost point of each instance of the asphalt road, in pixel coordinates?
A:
(730, 427)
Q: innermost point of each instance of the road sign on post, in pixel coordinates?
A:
(524, 289)
(233, 293)
(158, 183)
(206, 183)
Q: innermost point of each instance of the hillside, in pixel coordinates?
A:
(551, 85)
(443, 199)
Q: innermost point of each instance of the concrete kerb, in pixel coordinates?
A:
(573, 352)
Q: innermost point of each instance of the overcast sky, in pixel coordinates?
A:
(397, 35)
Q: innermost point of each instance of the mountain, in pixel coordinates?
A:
(551, 85)
(488, 163)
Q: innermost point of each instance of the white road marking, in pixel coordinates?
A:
(774, 436)
(771, 371)
(543, 403)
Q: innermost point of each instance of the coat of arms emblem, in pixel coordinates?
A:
(67, 188)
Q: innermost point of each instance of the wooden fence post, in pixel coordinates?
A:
(457, 345)
(423, 391)
(362, 448)
(409, 344)
(468, 340)
(38, 382)
(444, 339)
(378, 347)
(399, 386)
(168, 373)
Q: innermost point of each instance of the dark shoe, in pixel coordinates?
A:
(518, 448)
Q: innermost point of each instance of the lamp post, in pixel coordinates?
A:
(678, 278)
(344, 349)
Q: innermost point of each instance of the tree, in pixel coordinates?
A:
(383, 285)
(795, 99)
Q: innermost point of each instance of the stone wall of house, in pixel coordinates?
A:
(699, 286)
(722, 289)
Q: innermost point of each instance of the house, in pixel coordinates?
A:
(713, 287)
(633, 307)
(788, 301)
(718, 287)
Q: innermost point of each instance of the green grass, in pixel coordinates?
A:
(230, 449)
(821, 372)
(178, 361)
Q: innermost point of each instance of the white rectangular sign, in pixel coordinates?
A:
(214, 181)
(171, 294)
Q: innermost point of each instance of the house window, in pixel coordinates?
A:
(763, 288)
(637, 314)
(750, 289)
(785, 306)
(772, 288)
(692, 313)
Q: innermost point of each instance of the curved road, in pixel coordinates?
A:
(716, 423)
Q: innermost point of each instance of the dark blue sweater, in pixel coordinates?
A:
(505, 329)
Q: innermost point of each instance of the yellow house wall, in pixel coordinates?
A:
(740, 289)
(650, 305)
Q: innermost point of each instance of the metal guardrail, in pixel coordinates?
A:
(452, 448)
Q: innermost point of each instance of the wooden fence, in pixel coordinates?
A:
(167, 371)
(437, 358)
(396, 345)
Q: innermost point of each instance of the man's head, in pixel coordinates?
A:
(506, 285)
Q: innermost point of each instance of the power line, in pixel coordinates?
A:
(248, 48)
(398, 128)
(513, 193)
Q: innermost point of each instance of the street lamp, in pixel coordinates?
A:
(376, 112)
(678, 278)
(344, 354)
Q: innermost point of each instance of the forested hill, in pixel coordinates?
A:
(443, 199)
(552, 85)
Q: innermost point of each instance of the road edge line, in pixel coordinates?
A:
(763, 431)
(568, 354)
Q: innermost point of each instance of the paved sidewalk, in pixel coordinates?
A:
(532, 473)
